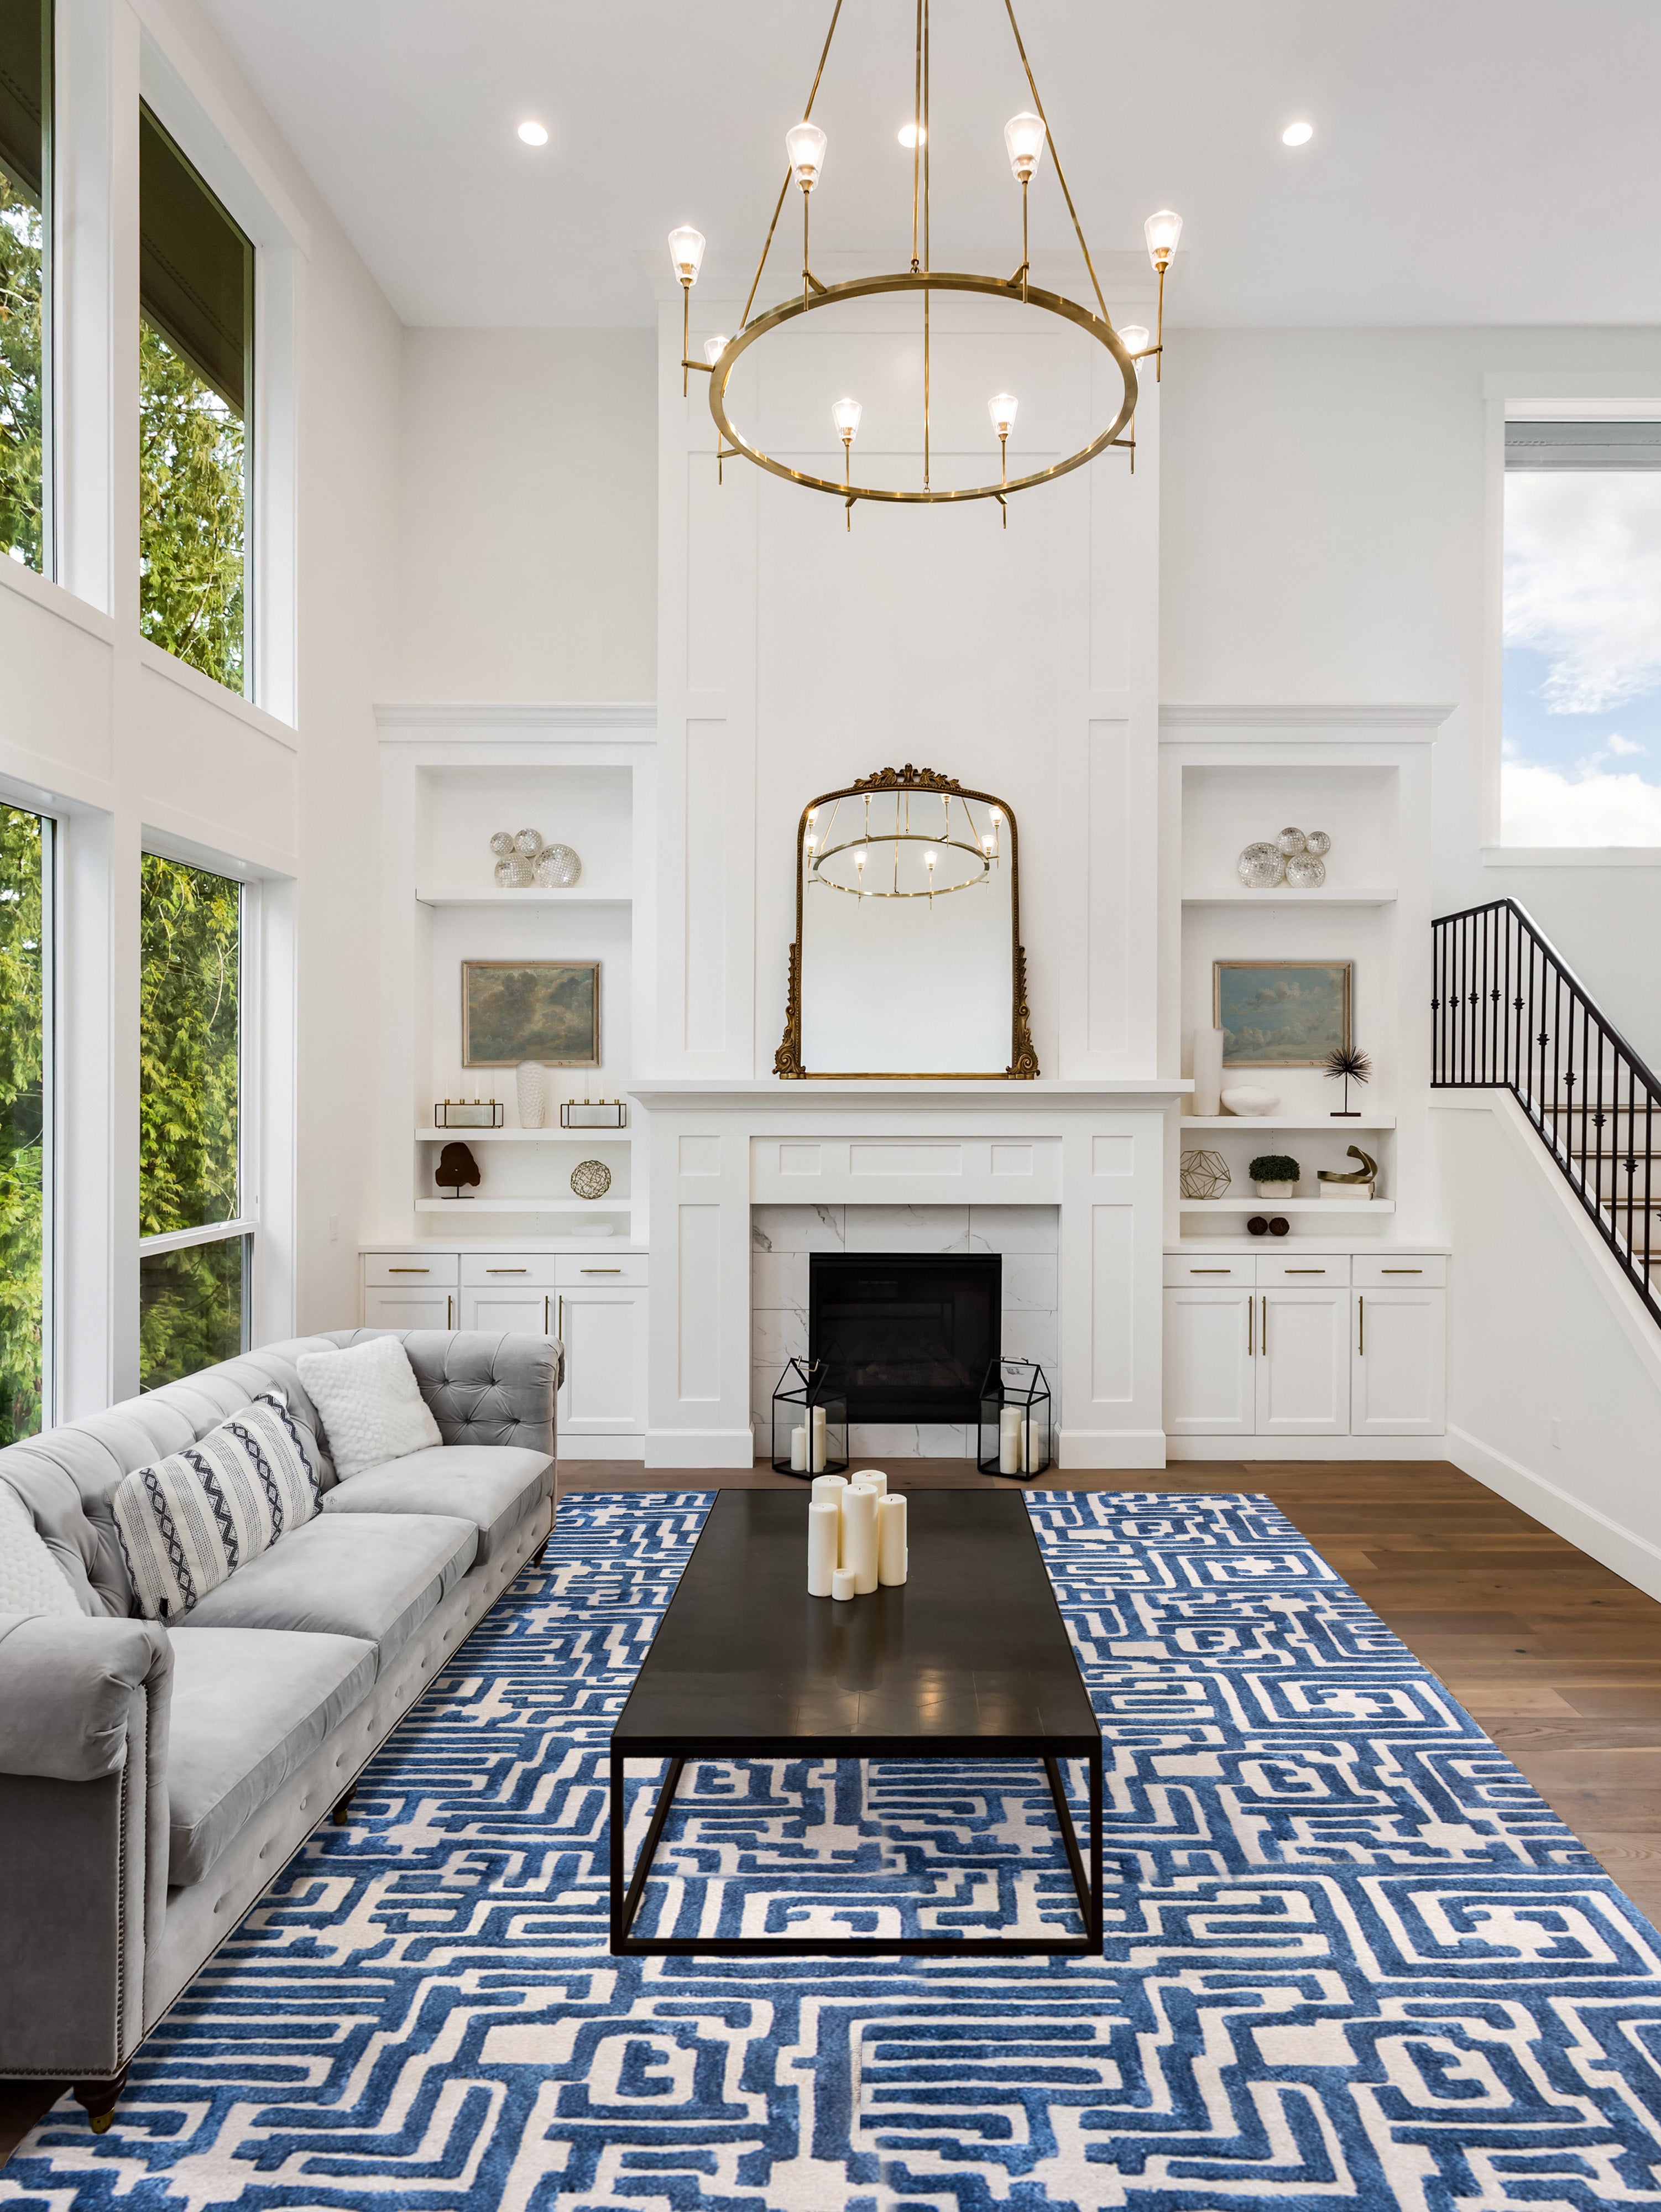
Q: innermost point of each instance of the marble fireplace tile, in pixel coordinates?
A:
(777, 1334)
(1015, 1229)
(778, 1278)
(908, 1228)
(1029, 1282)
(878, 1440)
(1030, 1333)
(795, 1228)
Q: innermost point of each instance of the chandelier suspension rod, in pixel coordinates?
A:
(1056, 153)
(779, 209)
(927, 261)
(917, 133)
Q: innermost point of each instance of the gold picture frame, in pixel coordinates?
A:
(1286, 1027)
(542, 1009)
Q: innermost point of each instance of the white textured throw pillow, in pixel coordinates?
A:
(31, 1580)
(371, 1404)
(187, 1523)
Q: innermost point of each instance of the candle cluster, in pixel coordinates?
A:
(1015, 1442)
(807, 1444)
(856, 1535)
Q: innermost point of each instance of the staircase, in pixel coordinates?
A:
(1509, 1016)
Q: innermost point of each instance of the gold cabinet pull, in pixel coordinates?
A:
(1360, 1324)
(450, 1309)
(1192, 1271)
(600, 1271)
(1401, 1271)
(507, 1271)
(559, 1330)
(545, 1328)
(1265, 1325)
(1306, 1271)
(408, 1271)
(1250, 1328)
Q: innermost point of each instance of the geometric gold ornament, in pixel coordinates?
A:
(1204, 1175)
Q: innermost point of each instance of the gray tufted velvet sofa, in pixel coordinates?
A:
(153, 1780)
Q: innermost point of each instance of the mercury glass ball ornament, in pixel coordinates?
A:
(1303, 872)
(590, 1179)
(557, 867)
(1290, 842)
(502, 843)
(513, 874)
(1260, 868)
(1318, 842)
(530, 842)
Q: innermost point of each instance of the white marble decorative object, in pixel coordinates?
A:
(1247, 1100)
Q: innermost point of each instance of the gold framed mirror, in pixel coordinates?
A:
(907, 962)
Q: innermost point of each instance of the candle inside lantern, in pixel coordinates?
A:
(798, 1451)
(819, 1440)
(1009, 1440)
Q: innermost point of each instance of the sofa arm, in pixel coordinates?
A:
(84, 1838)
(482, 1389)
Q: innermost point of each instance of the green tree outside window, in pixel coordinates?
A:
(191, 459)
(22, 1146)
(22, 448)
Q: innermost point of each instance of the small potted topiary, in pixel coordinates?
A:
(1274, 1175)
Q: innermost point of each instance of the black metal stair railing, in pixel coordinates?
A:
(1508, 1015)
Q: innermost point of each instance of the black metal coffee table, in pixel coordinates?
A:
(970, 1658)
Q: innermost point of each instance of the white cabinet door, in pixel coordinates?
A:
(1208, 1343)
(1399, 1363)
(525, 1312)
(1303, 1363)
(409, 1308)
(604, 1386)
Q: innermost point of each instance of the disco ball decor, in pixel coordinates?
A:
(557, 867)
(1204, 1175)
(1261, 866)
(1303, 872)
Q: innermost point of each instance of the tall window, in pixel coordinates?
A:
(193, 1235)
(25, 276)
(1581, 761)
(25, 1119)
(196, 292)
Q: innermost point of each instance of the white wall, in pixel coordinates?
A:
(528, 460)
(1322, 539)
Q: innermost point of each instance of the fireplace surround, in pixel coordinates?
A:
(909, 1336)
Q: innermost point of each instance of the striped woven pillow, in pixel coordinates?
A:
(187, 1523)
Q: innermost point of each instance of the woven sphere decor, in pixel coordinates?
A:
(1204, 1175)
(590, 1179)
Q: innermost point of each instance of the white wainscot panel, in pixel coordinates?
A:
(1112, 1304)
(55, 698)
(698, 1367)
(204, 763)
(907, 1171)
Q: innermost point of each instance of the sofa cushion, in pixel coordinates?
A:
(192, 1519)
(31, 1580)
(371, 1403)
(493, 1485)
(377, 1576)
(249, 1704)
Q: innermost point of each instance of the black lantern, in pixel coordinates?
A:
(810, 1422)
(1015, 1420)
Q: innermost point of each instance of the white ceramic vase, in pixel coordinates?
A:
(532, 1078)
(1208, 1071)
(1276, 1189)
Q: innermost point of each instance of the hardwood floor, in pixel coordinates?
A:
(1559, 1659)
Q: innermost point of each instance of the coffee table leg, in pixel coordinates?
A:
(623, 1921)
(1089, 1900)
(1095, 1850)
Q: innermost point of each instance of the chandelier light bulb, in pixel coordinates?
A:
(912, 134)
(846, 415)
(805, 144)
(1003, 412)
(1162, 232)
(533, 134)
(1134, 338)
(686, 251)
(714, 348)
(1023, 136)
(1297, 134)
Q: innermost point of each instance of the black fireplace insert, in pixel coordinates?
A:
(908, 1335)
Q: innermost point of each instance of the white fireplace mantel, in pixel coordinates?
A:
(1094, 1149)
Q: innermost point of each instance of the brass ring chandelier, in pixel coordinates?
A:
(873, 860)
(1025, 137)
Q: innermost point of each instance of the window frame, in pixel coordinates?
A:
(28, 799)
(1541, 395)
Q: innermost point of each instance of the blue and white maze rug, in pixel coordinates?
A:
(1351, 1957)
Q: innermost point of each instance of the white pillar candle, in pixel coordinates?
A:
(798, 1451)
(875, 1476)
(828, 1491)
(1208, 1071)
(842, 1582)
(819, 1440)
(1009, 1440)
(824, 1535)
(1026, 1446)
(859, 1504)
(891, 1540)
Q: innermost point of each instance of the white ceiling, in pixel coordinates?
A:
(1474, 161)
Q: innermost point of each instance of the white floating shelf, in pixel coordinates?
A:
(1284, 1121)
(522, 898)
(1287, 1205)
(463, 1207)
(524, 1136)
(1363, 897)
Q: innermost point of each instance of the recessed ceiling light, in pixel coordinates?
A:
(533, 134)
(910, 135)
(1297, 134)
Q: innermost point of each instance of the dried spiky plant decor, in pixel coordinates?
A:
(1353, 1066)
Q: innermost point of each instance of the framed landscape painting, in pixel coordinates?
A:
(1281, 1014)
(515, 1010)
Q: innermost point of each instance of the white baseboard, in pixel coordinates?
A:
(1298, 1448)
(699, 1447)
(626, 1446)
(1619, 1548)
(1088, 1448)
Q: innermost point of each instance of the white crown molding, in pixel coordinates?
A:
(1414, 723)
(413, 721)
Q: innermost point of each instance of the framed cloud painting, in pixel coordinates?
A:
(515, 1010)
(1281, 1014)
